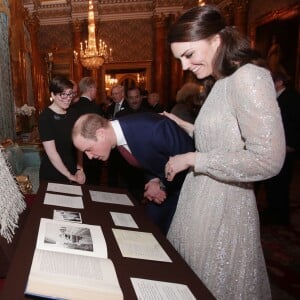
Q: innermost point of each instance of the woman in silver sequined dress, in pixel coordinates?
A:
(239, 139)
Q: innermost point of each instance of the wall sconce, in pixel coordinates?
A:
(140, 78)
(110, 82)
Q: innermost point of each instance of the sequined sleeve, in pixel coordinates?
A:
(251, 98)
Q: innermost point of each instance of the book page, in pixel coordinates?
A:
(113, 198)
(63, 200)
(64, 188)
(122, 219)
(150, 289)
(73, 238)
(67, 216)
(69, 276)
(142, 245)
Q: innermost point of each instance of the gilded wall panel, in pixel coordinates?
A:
(53, 37)
(131, 40)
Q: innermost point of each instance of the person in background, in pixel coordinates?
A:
(278, 187)
(154, 104)
(105, 104)
(60, 162)
(119, 101)
(75, 92)
(239, 139)
(97, 136)
(136, 104)
(185, 99)
(86, 104)
(88, 92)
(190, 99)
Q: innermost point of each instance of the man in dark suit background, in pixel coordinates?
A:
(119, 101)
(86, 104)
(136, 103)
(152, 139)
(278, 187)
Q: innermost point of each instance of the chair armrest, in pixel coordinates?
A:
(32, 157)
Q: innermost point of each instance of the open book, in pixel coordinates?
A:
(70, 262)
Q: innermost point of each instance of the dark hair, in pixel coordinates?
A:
(134, 88)
(203, 22)
(281, 76)
(59, 83)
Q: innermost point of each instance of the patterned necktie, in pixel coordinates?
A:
(129, 157)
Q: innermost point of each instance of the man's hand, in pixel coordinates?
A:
(153, 192)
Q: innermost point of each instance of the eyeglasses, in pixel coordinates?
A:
(66, 95)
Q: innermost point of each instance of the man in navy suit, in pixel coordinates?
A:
(151, 138)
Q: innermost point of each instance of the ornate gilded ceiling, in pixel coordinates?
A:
(63, 11)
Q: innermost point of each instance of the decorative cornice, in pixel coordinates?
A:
(55, 12)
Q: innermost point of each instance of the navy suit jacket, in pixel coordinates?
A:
(152, 139)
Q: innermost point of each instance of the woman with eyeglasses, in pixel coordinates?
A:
(61, 162)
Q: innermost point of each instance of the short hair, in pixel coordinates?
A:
(281, 76)
(59, 83)
(85, 83)
(134, 88)
(87, 125)
(118, 86)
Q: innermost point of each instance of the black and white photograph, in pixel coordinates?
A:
(68, 216)
(69, 236)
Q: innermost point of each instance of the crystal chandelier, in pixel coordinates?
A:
(92, 56)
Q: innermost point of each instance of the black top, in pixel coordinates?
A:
(58, 127)
(86, 106)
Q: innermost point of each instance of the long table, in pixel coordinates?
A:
(96, 213)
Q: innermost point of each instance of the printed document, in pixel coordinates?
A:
(150, 289)
(142, 245)
(122, 219)
(63, 200)
(113, 198)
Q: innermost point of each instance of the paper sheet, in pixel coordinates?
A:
(142, 245)
(122, 219)
(150, 289)
(113, 198)
(62, 200)
(64, 188)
